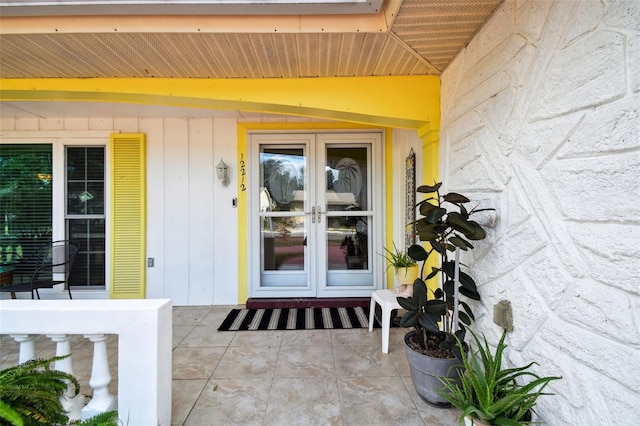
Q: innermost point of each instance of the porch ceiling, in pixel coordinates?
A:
(407, 37)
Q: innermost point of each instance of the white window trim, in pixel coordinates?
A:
(59, 140)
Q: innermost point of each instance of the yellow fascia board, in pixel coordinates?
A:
(410, 102)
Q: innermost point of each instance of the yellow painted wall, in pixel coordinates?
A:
(411, 102)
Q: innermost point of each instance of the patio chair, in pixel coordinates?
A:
(53, 264)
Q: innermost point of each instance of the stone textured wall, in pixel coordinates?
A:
(540, 120)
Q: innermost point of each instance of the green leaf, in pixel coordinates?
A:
(426, 189)
(468, 310)
(419, 293)
(433, 273)
(434, 215)
(469, 293)
(438, 293)
(476, 231)
(436, 307)
(425, 207)
(462, 316)
(437, 246)
(409, 319)
(427, 231)
(460, 242)
(429, 321)
(417, 253)
(459, 223)
(455, 198)
(10, 415)
(407, 303)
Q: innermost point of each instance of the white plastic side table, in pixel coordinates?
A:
(387, 300)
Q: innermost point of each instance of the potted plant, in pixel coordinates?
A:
(489, 394)
(445, 225)
(406, 269)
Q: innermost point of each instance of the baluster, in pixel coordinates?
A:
(71, 403)
(27, 347)
(102, 400)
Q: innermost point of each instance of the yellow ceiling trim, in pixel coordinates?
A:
(396, 101)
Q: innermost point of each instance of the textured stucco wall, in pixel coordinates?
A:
(540, 120)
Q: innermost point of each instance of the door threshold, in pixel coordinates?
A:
(308, 302)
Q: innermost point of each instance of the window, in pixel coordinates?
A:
(25, 199)
(85, 213)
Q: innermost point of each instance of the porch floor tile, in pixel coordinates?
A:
(301, 377)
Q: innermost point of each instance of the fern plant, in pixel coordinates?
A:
(493, 394)
(30, 393)
(109, 418)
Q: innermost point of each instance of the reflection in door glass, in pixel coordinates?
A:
(346, 171)
(282, 179)
(283, 243)
(348, 243)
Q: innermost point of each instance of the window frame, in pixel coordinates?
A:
(59, 141)
(75, 216)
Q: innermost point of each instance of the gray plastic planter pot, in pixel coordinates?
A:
(424, 370)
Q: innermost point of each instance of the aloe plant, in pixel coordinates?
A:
(491, 393)
(398, 259)
(446, 225)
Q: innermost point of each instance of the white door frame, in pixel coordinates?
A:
(316, 267)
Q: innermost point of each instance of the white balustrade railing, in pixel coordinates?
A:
(144, 329)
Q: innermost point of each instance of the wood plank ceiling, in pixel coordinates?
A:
(407, 37)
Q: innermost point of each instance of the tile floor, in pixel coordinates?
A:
(306, 377)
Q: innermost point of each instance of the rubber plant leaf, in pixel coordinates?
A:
(434, 215)
(467, 309)
(436, 307)
(409, 319)
(433, 273)
(419, 293)
(460, 242)
(407, 303)
(430, 322)
(425, 207)
(469, 293)
(459, 223)
(427, 189)
(477, 232)
(455, 198)
(417, 253)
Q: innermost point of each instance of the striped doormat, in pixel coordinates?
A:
(296, 319)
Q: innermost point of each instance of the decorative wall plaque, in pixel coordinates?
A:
(410, 207)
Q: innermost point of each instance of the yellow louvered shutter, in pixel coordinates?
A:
(128, 216)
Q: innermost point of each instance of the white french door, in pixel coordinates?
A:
(315, 214)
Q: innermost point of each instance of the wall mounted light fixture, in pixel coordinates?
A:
(222, 170)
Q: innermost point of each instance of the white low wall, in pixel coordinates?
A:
(144, 329)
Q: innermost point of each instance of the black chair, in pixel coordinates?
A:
(53, 264)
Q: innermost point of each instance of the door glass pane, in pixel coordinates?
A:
(282, 190)
(282, 179)
(346, 171)
(283, 243)
(25, 201)
(347, 243)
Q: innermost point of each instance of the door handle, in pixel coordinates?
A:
(319, 214)
(313, 215)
